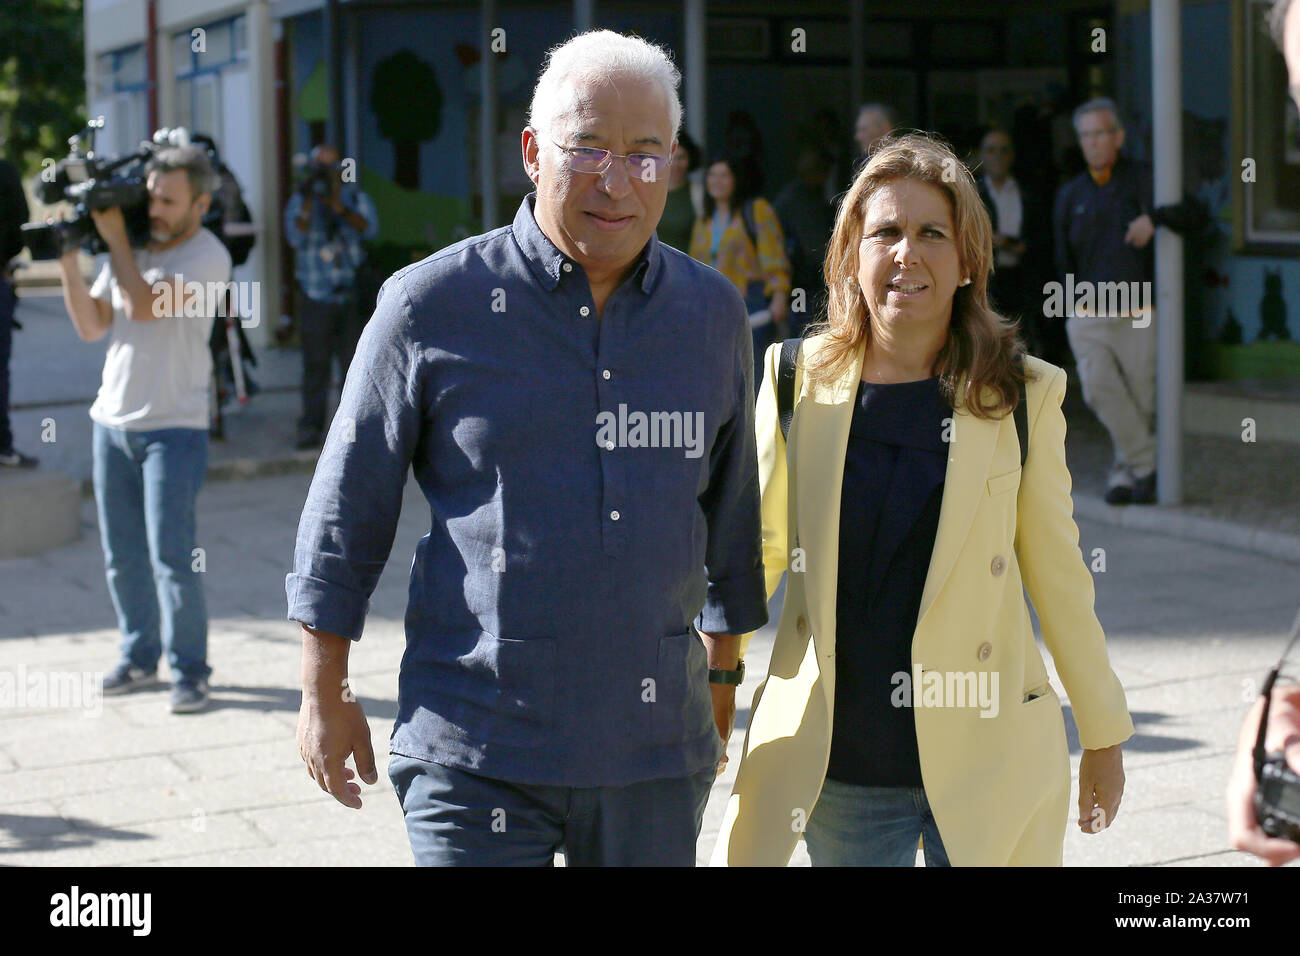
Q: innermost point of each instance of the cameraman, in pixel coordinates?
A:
(326, 222)
(13, 213)
(151, 420)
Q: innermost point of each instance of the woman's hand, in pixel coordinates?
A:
(1101, 785)
(780, 306)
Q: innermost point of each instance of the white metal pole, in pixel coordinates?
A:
(1167, 131)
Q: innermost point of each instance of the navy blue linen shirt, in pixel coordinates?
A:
(890, 499)
(593, 487)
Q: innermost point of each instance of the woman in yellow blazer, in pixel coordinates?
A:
(907, 273)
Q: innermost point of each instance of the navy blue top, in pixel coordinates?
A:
(592, 487)
(889, 514)
(1091, 221)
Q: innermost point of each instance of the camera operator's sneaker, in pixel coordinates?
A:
(189, 696)
(12, 458)
(125, 678)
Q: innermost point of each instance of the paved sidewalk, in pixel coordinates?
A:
(1190, 626)
(1191, 622)
(1236, 492)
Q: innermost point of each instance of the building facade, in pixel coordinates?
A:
(398, 86)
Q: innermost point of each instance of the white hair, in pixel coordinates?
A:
(602, 55)
(1102, 104)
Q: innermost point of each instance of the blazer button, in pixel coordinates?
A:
(801, 625)
(985, 650)
(998, 566)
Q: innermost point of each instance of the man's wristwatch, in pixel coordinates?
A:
(717, 676)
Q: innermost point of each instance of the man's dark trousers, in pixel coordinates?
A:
(456, 818)
(8, 302)
(327, 330)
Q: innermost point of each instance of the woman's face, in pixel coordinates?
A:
(908, 266)
(720, 182)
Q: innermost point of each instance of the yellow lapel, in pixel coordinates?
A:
(969, 456)
(820, 443)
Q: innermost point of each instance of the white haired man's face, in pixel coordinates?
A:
(603, 220)
(1100, 138)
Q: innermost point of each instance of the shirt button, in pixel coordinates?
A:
(998, 566)
(567, 267)
(613, 516)
(985, 650)
(584, 310)
(605, 375)
(609, 446)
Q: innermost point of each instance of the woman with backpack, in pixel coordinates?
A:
(906, 700)
(740, 236)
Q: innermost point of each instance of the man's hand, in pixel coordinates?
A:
(724, 715)
(1101, 785)
(331, 723)
(1283, 733)
(1140, 231)
(723, 651)
(111, 225)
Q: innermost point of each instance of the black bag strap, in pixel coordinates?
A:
(785, 384)
(1021, 416)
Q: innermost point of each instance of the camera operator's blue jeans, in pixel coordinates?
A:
(146, 484)
(853, 825)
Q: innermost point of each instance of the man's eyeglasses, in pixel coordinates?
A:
(1097, 134)
(648, 167)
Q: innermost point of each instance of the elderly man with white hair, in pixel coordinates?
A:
(576, 399)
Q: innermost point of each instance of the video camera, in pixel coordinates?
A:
(1277, 794)
(90, 184)
(316, 180)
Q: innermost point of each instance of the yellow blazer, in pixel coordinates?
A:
(999, 787)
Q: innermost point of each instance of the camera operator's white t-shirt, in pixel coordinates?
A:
(156, 372)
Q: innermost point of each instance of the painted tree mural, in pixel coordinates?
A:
(407, 102)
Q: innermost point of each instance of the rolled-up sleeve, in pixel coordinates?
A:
(351, 513)
(736, 602)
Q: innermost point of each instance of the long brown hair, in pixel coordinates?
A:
(982, 347)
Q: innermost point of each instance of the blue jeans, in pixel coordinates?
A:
(146, 483)
(8, 303)
(853, 825)
(456, 818)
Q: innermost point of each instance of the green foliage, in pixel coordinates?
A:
(406, 98)
(42, 86)
(407, 101)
